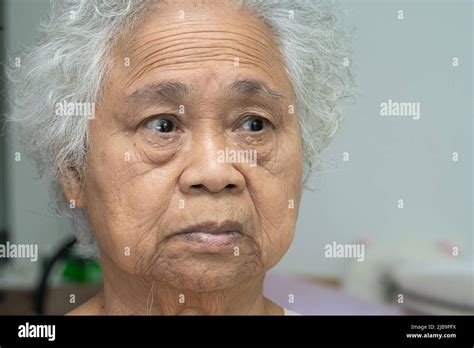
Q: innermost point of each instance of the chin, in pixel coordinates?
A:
(207, 272)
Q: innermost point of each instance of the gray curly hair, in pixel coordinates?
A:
(72, 57)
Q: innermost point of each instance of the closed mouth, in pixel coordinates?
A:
(212, 233)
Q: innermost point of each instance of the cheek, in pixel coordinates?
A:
(127, 198)
(276, 206)
(276, 193)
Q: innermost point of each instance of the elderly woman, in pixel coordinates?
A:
(177, 136)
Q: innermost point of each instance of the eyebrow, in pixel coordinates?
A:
(249, 88)
(168, 91)
(173, 92)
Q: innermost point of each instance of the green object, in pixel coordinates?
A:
(78, 270)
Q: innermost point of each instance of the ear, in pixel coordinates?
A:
(73, 189)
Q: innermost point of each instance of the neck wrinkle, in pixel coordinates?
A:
(127, 294)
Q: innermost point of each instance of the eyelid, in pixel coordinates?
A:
(170, 117)
(246, 117)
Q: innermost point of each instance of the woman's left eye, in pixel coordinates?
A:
(161, 125)
(254, 124)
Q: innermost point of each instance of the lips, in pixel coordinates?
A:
(212, 234)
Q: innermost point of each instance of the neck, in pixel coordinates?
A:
(127, 294)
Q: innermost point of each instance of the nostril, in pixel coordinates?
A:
(202, 187)
(231, 186)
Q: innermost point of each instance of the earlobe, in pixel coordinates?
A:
(73, 190)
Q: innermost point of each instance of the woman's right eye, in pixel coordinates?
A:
(160, 125)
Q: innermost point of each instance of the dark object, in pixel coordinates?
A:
(290, 331)
(41, 290)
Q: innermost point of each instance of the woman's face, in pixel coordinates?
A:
(195, 163)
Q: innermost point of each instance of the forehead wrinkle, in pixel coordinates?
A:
(148, 69)
(256, 46)
(186, 41)
(178, 25)
(260, 40)
(243, 50)
(223, 56)
(262, 62)
(260, 36)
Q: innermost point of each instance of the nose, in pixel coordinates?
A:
(204, 172)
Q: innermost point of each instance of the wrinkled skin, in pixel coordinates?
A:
(143, 184)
